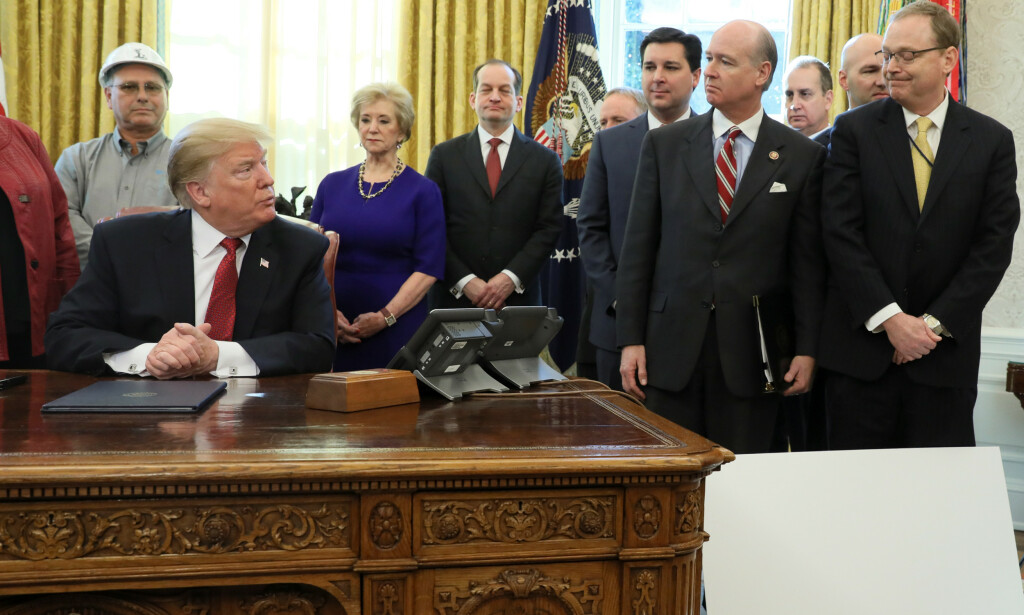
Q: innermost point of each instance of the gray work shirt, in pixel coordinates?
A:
(101, 176)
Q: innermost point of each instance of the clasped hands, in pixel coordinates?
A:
(184, 351)
(490, 294)
(910, 336)
(364, 326)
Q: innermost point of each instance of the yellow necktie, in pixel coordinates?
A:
(922, 164)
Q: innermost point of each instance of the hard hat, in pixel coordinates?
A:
(134, 53)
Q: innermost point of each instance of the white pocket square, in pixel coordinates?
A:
(777, 187)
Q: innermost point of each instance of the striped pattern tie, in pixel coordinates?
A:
(725, 169)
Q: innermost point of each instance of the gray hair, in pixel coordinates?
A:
(198, 145)
(812, 62)
(635, 94)
(398, 95)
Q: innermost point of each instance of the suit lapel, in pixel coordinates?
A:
(174, 265)
(254, 279)
(515, 159)
(952, 147)
(895, 146)
(475, 162)
(699, 162)
(761, 166)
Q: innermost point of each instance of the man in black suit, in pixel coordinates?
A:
(918, 230)
(860, 75)
(223, 288)
(807, 86)
(670, 71)
(694, 255)
(502, 197)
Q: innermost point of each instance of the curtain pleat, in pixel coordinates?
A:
(52, 56)
(441, 42)
(820, 28)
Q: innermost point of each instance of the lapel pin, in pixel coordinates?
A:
(264, 263)
(773, 155)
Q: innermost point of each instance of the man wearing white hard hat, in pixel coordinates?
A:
(128, 167)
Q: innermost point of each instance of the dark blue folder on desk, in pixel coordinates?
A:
(181, 396)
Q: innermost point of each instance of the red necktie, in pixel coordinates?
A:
(725, 169)
(494, 166)
(221, 311)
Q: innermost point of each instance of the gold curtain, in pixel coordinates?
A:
(52, 53)
(820, 28)
(441, 42)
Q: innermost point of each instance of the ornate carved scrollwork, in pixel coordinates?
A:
(644, 588)
(386, 525)
(69, 534)
(523, 592)
(647, 516)
(518, 520)
(388, 597)
(688, 513)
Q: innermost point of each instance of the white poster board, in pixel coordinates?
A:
(850, 532)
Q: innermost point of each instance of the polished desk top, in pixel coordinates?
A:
(260, 430)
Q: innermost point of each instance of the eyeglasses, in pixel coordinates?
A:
(131, 88)
(905, 57)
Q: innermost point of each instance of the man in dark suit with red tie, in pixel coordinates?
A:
(223, 288)
(725, 207)
(502, 195)
(919, 226)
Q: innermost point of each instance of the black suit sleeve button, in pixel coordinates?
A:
(714, 264)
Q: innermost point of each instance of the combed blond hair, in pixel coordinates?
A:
(200, 144)
(398, 95)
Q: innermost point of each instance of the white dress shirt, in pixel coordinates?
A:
(938, 118)
(744, 144)
(485, 151)
(653, 122)
(207, 254)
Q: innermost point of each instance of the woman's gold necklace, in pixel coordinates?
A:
(362, 169)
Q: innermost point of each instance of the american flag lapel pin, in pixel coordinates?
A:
(264, 263)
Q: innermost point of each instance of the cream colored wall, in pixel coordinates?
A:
(995, 87)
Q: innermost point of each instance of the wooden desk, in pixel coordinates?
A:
(569, 503)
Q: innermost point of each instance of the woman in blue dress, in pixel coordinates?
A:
(391, 224)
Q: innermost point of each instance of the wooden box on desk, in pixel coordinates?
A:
(361, 390)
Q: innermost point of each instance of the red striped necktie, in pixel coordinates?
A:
(725, 169)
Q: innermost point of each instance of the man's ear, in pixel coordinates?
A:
(197, 192)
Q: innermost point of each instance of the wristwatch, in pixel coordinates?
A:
(390, 319)
(934, 324)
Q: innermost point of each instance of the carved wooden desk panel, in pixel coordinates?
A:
(573, 502)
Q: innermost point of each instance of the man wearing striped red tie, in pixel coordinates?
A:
(725, 207)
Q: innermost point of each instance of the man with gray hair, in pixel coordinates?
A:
(223, 288)
(620, 105)
(808, 90)
(125, 168)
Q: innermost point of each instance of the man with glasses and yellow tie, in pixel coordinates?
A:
(127, 167)
(919, 219)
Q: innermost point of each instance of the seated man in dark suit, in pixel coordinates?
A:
(223, 288)
(502, 195)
